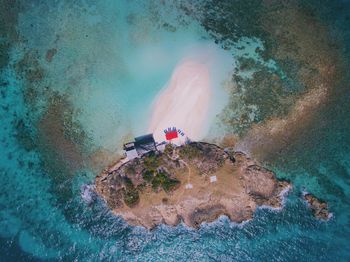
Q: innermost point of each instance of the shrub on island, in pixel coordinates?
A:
(131, 196)
(151, 162)
(148, 176)
(190, 152)
(130, 193)
(162, 180)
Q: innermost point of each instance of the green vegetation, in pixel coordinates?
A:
(170, 184)
(190, 152)
(130, 193)
(168, 149)
(164, 181)
(141, 187)
(151, 162)
(127, 182)
(131, 196)
(160, 179)
(148, 176)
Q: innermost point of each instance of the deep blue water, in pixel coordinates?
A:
(98, 71)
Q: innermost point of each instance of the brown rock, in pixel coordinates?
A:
(319, 208)
(242, 185)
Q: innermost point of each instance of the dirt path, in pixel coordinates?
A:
(175, 158)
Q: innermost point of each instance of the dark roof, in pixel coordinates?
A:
(144, 144)
(146, 139)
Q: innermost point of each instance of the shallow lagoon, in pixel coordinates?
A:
(105, 67)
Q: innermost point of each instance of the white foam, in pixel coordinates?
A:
(88, 193)
(283, 195)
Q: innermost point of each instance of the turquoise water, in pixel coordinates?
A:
(112, 59)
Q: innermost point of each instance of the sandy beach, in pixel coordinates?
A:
(184, 102)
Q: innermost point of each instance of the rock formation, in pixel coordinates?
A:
(175, 185)
(319, 208)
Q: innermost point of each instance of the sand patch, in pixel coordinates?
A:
(184, 102)
(272, 136)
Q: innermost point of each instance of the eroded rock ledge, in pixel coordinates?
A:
(175, 186)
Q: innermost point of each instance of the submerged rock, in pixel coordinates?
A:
(50, 54)
(193, 183)
(319, 208)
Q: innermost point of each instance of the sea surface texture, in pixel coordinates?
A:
(78, 78)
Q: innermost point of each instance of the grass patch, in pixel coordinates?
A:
(130, 193)
(190, 152)
(169, 149)
(131, 196)
(165, 182)
(148, 176)
(151, 162)
(127, 182)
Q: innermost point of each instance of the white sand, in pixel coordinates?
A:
(183, 103)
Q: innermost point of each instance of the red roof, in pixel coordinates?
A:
(171, 135)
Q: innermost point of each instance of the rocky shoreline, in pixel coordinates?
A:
(154, 189)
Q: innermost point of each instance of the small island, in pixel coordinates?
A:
(195, 182)
(318, 207)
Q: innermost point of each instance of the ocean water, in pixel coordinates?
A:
(63, 120)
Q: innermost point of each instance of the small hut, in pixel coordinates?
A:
(141, 146)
